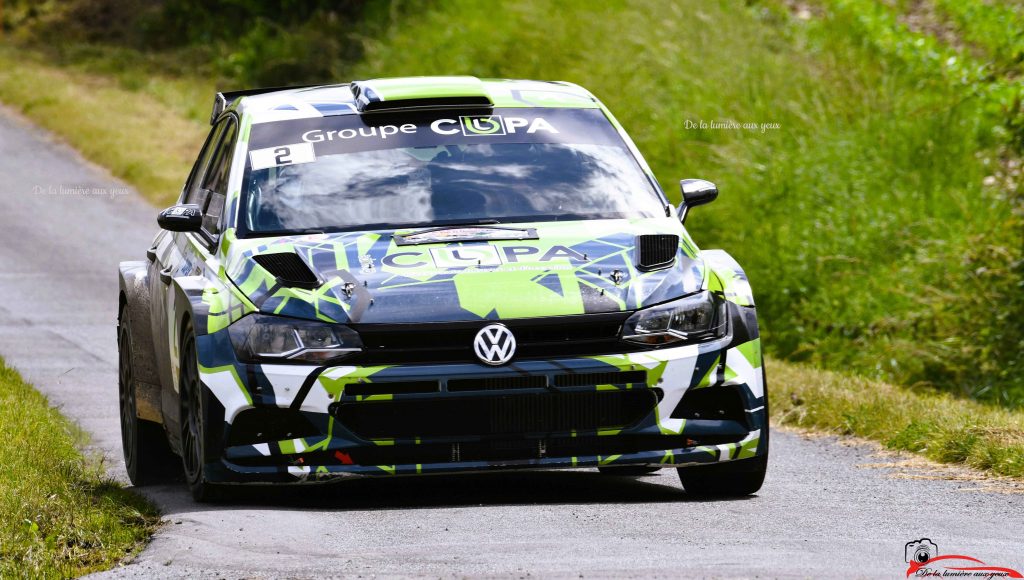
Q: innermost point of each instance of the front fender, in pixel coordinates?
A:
(210, 304)
(726, 276)
(743, 361)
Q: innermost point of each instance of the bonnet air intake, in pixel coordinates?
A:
(289, 269)
(656, 251)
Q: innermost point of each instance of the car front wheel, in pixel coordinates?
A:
(147, 457)
(194, 438)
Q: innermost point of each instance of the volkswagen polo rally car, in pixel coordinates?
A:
(431, 275)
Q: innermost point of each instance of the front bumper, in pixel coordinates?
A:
(679, 406)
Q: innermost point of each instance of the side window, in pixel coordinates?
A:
(215, 181)
(217, 176)
(192, 189)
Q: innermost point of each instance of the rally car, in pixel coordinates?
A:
(432, 275)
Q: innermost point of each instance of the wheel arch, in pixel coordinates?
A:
(134, 302)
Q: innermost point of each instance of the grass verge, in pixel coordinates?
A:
(143, 132)
(59, 515)
(935, 424)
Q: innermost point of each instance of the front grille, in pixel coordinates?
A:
(496, 415)
(452, 342)
(497, 383)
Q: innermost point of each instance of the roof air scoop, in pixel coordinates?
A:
(420, 93)
(656, 251)
(289, 269)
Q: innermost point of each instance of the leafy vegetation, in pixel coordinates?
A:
(238, 43)
(979, 316)
(59, 515)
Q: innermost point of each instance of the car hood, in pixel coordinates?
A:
(474, 273)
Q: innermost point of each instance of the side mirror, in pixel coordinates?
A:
(181, 218)
(696, 192)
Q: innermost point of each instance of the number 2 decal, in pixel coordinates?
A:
(281, 155)
(290, 154)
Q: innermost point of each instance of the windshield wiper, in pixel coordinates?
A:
(481, 230)
(296, 232)
(480, 222)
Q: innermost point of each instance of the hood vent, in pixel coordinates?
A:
(656, 251)
(289, 269)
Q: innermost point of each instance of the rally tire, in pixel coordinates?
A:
(628, 470)
(147, 457)
(195, 436)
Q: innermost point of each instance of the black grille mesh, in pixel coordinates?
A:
(498, 383)
(289, 269)
(392, 388)
(612, 378)
(654, 251)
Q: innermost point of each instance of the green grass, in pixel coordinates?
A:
(59, 515)
(993, 27)
(934, 424)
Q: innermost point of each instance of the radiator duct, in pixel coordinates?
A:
(289, 269)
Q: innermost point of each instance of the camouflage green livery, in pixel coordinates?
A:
(559, 286)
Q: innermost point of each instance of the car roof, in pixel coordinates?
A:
(363, 97)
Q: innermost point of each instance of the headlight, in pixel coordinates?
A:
(258, 337)
(694, 318)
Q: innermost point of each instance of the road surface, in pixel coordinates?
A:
(824, 511)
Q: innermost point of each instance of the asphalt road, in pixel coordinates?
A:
(827, 509)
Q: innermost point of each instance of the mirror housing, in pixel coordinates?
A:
(696, 192)
(186, 217)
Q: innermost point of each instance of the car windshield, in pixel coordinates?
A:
(511, 165)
